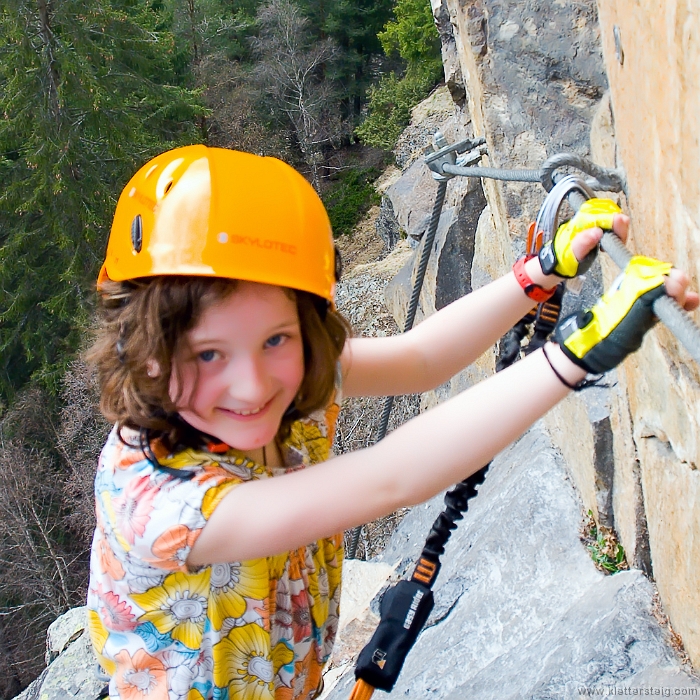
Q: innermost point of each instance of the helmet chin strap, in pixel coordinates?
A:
(291, 411)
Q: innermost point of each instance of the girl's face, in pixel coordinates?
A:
(243, 367)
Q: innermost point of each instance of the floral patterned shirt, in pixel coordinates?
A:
(251, 630)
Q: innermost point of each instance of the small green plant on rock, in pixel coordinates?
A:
(601, 542)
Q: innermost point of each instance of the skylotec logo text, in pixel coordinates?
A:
(408, 621)
(264, 243)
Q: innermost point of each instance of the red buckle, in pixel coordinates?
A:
(534, 291)
(217, 447)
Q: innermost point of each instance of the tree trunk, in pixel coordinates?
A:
(52, 75)
(192, 13)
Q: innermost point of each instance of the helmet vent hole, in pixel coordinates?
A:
(137, 233)
(168, 187)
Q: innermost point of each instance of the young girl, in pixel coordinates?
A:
(222, 360)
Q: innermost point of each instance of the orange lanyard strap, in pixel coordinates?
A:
(546, 318)
(361, 691)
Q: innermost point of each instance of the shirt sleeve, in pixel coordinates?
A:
(158, 516)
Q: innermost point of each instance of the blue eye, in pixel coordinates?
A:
(207, 355)
(275, 341)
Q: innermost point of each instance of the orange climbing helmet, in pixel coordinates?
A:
(220, 213)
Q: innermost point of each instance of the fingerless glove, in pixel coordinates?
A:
(600, 338)
(556, 256)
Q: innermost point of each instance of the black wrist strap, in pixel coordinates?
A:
(583, 384)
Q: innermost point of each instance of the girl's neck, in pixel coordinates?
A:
(268, 455)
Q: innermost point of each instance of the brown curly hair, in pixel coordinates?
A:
(143, 323)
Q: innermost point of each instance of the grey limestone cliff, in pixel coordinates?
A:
(520, 609)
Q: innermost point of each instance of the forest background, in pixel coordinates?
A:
(89, 91)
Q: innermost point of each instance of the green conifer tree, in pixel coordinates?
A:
(353, 25)
(87, 94)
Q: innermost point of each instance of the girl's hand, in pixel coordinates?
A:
(600, 338)
(572, 250)
(677, 287)
(573, 243)
(586, 241)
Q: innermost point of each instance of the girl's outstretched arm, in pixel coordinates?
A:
(446, 342)
(414, 462)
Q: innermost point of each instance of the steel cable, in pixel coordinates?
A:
(426, 249)
(493, 173)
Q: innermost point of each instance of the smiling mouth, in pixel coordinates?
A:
(245, 413)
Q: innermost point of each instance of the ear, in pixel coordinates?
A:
(152, 369)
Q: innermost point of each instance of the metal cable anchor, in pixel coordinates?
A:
(446, 154)
(600, 178)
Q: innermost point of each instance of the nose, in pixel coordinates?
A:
(248, 381)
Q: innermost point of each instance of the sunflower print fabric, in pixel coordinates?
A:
(251, 630)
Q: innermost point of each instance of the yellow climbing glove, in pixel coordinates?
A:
(556, 256)
(600, 338)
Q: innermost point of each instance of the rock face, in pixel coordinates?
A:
(536, 77)
(520, 610)
(533, 74)
(450, 61)
(536, 83)
(652, 58)
(71, 670)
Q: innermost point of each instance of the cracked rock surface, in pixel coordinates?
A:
(520, 610)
